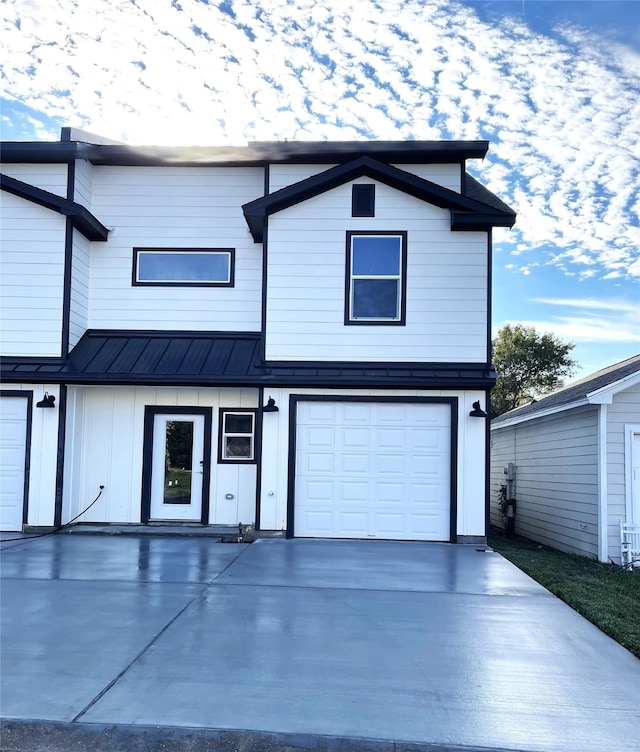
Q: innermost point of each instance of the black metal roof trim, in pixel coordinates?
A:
(225, 359)
(81, 218)
(257, 211)
(576, 391)
(255, 153)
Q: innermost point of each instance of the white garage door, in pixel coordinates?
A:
(373, 470)
(13, 437)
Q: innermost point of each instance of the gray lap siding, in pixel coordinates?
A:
(556, 460)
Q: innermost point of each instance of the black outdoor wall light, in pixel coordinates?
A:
(270, 407)
(48, 400)
(477, 411)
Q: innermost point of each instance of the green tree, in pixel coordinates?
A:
(528, 365)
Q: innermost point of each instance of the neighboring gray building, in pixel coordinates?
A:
(577, 462)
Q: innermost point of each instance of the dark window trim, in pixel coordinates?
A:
(363, 200)
(348, 321)
(141, 283)
(150, 412)
(237, 411)
(28, 396)
(453, 466)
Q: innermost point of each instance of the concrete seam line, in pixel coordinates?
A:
(117, 678)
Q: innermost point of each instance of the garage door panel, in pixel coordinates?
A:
(320, 521)
(391, 464)
(391, 493)
(434, 439)
(320, 437)
(352, 524)
(13, 437)
(386, 475)
(352, 491)
(387, 525)
(391, 438)
(353, 463)
(354, 438)
(319, 462)
(354, 413)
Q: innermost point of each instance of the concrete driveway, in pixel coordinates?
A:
(124, 642)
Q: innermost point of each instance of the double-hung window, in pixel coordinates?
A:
(376, 277)
(237, 436)
(190, 267)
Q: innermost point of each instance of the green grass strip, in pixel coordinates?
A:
(603, 593)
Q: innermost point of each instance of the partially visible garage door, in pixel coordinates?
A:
(373, 470)
(13, 438)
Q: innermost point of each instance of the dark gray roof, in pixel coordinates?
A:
(576, 391)
(221, 358)
(476, 191)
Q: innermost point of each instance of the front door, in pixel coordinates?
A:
(177, 467)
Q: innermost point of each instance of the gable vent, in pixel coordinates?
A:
(363, 197)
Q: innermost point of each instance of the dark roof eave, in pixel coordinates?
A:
(257, 211)
(81, 218)
(481, 221)
(333, 382)
(256, 153)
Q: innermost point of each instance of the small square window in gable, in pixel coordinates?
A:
(363, 200)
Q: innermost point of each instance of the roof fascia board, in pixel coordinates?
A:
(481, 221)
(605, 395)
(581, 402)
(81, 218)
(43, 152)
(258, 153)
(257, 380)
(256, 211)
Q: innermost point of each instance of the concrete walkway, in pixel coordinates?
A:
(127, 643)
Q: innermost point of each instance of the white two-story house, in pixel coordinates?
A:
(290, 335)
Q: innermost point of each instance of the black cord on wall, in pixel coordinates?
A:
(55, 529)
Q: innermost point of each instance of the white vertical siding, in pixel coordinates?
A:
(174, 208)
(49, 177)
(79, 307)
(83, 183)
(471, 465)
(31, 278)
(446, 317)
(556, 460)
(282, 175)
(624, 410)
(446, 175)
(105, 441)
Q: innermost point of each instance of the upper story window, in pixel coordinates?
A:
(376, 278)
(193, 267)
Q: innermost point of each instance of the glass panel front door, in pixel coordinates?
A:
(178, 467)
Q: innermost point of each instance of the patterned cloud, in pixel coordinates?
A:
(561, 110)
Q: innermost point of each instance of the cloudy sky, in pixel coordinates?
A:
(554, 86)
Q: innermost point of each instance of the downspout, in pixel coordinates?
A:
(603, 522)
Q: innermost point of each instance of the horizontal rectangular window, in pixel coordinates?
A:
(199, 267)
(236, 441)
(376, 278)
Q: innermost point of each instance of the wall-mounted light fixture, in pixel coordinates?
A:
(270, 407)
(477, 411)
(48, 400)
